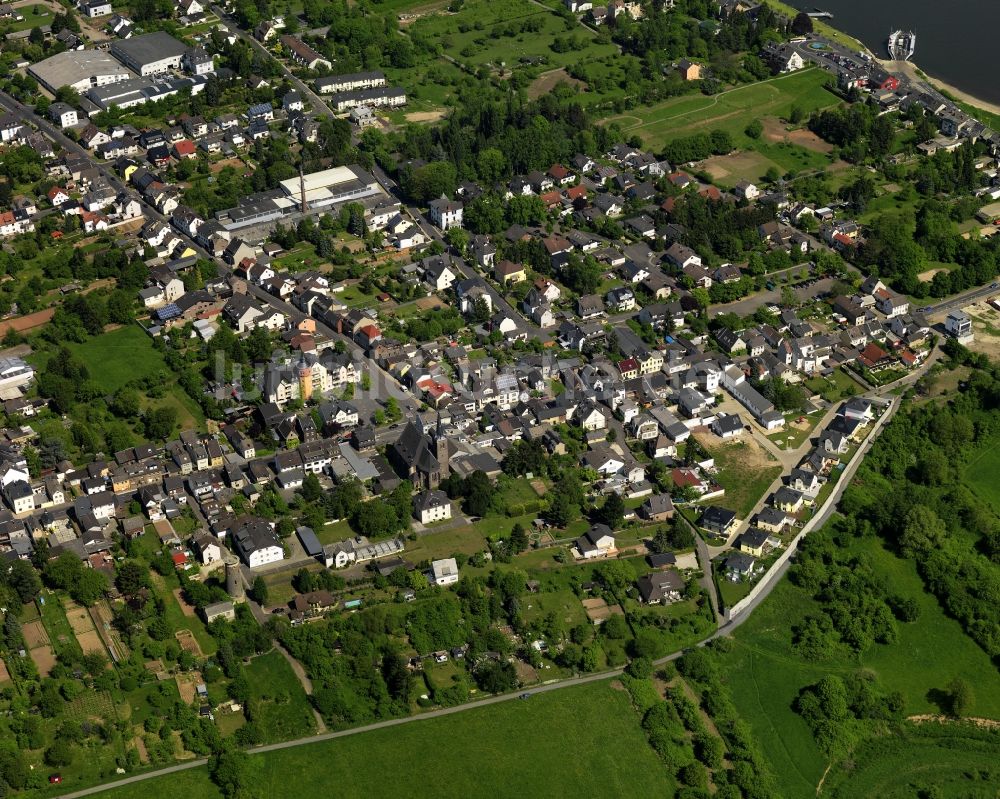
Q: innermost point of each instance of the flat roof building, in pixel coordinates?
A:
(79, 69)
(322, 191)
(150, 53)
(143, 90)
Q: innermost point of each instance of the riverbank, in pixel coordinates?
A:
(913, 72)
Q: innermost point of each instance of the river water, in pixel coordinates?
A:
(956, 39)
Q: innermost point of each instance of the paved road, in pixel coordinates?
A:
(388, 185)
(725, 629)
(383, 384)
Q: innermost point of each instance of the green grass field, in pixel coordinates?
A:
(127, 353)
(487, 39)
(37, 16)
(115, 358)
(278, 702)
(925, 759)
(582, 741)
(731, 110)
(981, 473)
(766, 674)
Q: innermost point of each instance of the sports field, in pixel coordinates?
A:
(730, 110)
(582, 741)
(766, 674)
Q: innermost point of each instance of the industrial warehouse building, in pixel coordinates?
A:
(318, 191)
(80, 69)
(150, 54)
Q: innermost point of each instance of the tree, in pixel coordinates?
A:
(802, 24)
(59, 754)
(125, 403)
(22, 577)
(496, 677)
(229, 771)
(311, 489)
(160, 422)
(131, 578)
(960, 697)
(478, 491)
(259, 591)
(612, 512)
(754, 129)
(519, 538)
(375, 519)
(921, 532)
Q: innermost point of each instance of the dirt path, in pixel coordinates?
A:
(307, 685)
(985, 724)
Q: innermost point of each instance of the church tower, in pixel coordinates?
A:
(442, 449)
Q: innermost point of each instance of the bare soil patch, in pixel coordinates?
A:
(986, 724)
(186, 609)
(425, 116)
(732, 168)
(84, 630)
(539, 487)
(186, 685)
(35, 634)
(44, 658)
(140, 746)
(752, 454)
(4, 673)
(425, 303)
(776, 130)
(525, 672)
(598, 610)
(411, 15)
(547, 81)
(986, 329)
(235, 163)
(928, 276)
(28, 322)
(188, 642)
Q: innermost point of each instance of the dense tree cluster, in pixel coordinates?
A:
(909, 492)
(842, 710)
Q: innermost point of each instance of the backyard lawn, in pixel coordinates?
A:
(512, 749)
(115, 358)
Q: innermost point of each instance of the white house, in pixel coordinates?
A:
(597, 542)
(257, 543)
(444, 572)
(446, 213)
(431, 506)
(65, 115)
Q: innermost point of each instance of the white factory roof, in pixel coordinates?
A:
(72, 66)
